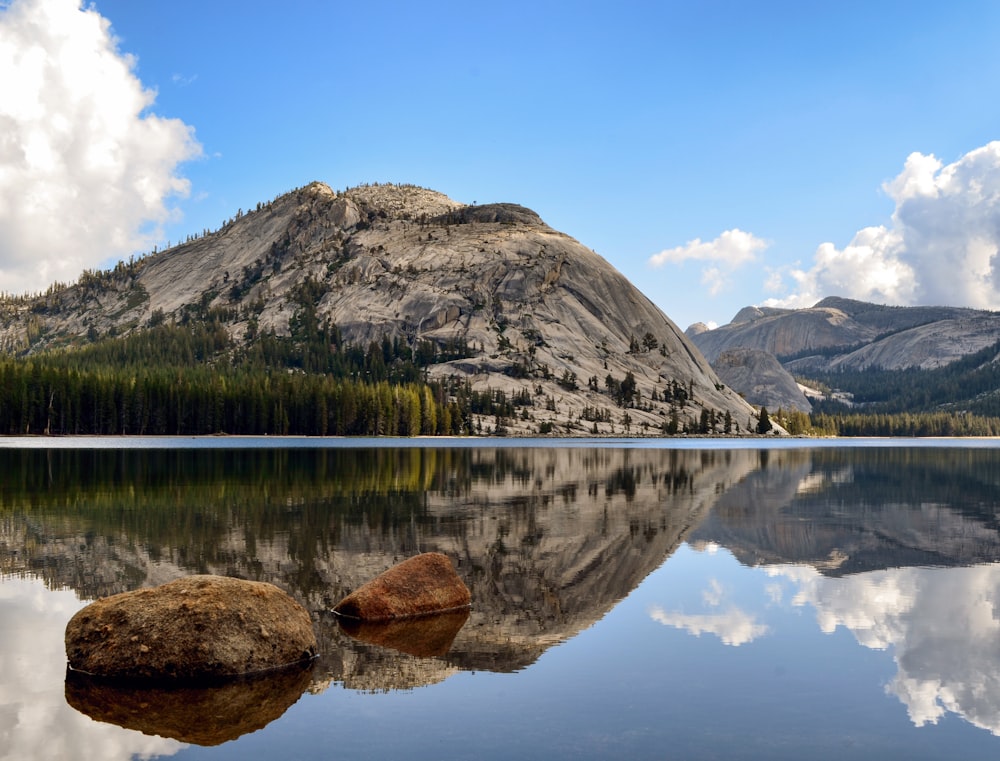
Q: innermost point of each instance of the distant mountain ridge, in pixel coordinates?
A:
(506, 302)
(839, 335)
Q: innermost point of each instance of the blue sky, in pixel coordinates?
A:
(719, 154)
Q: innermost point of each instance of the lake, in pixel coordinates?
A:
(653, 599)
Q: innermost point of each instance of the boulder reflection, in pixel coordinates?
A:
(423, 637)
(200, 715)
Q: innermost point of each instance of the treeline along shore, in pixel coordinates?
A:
(190, 380)
(178, 380)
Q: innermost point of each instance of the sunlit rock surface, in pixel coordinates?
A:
(838, 333)
(533, 311)
(195, 628)
(419, 586)
(759, 377)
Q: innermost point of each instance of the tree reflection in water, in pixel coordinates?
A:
(548, 541)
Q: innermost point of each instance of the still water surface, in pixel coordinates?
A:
(717, 600)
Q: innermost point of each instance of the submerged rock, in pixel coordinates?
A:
(195, 628)
(419, 586)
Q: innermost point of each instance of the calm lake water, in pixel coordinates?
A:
(641, 599)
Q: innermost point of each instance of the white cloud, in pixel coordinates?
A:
(714, 279)
(870, 269)
(774, 593)
(734, 627)
(733, 248)
(709, 548)
(941, 248)
(86, 171)
(775, 281)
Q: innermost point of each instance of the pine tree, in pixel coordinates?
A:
(764, 423)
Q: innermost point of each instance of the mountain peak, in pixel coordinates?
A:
(488, 293)
(754, 313)
(391, 201)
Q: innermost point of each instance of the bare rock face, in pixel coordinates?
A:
(785, 332)
(191, 629)
(844, 334)
(422, 585)
(761, 379)
(509, 304)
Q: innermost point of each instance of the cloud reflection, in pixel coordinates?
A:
(713, 595)
(734, 627)
(942, 624)
(35, 720)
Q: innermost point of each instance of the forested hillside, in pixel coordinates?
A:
(180, 380)
(970, 384)
(959, 399)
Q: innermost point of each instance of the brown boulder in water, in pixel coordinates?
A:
(194, 628)
(419, 586)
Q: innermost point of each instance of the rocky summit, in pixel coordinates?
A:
(506, 302)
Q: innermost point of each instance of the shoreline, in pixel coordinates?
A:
(693, 441)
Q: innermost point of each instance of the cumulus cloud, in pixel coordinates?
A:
(869, 269)
(714, 594)
(732, 249)
(941, 247)
(86, 171)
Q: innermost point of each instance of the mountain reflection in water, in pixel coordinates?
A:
(894, 545)
(547, 540)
